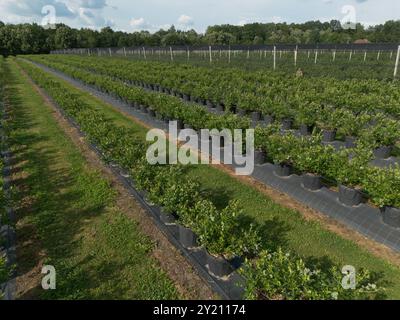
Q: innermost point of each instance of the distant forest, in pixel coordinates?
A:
(32, 38)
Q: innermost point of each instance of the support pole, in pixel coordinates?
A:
(396, 66)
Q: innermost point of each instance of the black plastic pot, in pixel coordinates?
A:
(283, 170)
(255, 116)
(186, 97)
(218, 266)
(259, 157)
(383, 152)
(349, 196)
(167, 218)
(158, 115)
(240, 112)
(180, 124)
(287, 124)
(187, 238)
(311, 182)
(328, 135)
(233, 109)
(143, 109)
(220, 107)
(350, 142)
(268, 119)
(152, 113)
(305, 130)
(391, 216)
(210, 104)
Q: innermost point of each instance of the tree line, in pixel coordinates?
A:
(33, 38)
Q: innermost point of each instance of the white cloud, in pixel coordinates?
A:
(33, 9)
(93, 4)
(139, 24)
(93, 18)
(185, 20)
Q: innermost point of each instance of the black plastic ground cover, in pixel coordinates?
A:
(364, 219)
(7, 232)
(231, 288)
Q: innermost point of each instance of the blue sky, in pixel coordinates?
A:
(134, 15)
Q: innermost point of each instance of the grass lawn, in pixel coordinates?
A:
(67, 216)
(282, 226)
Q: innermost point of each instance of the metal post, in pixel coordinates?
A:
(172, 55)
(274, 57)
(210, 50)
(316, 56)
(396, 66)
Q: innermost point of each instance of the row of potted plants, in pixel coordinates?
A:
(308, 114)
(221, 231)
(353, 176)
(232, 85)
(349, 168)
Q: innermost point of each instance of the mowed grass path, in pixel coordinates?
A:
(66, 214)
(282, 226)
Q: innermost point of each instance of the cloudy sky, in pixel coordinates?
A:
(133, 15)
